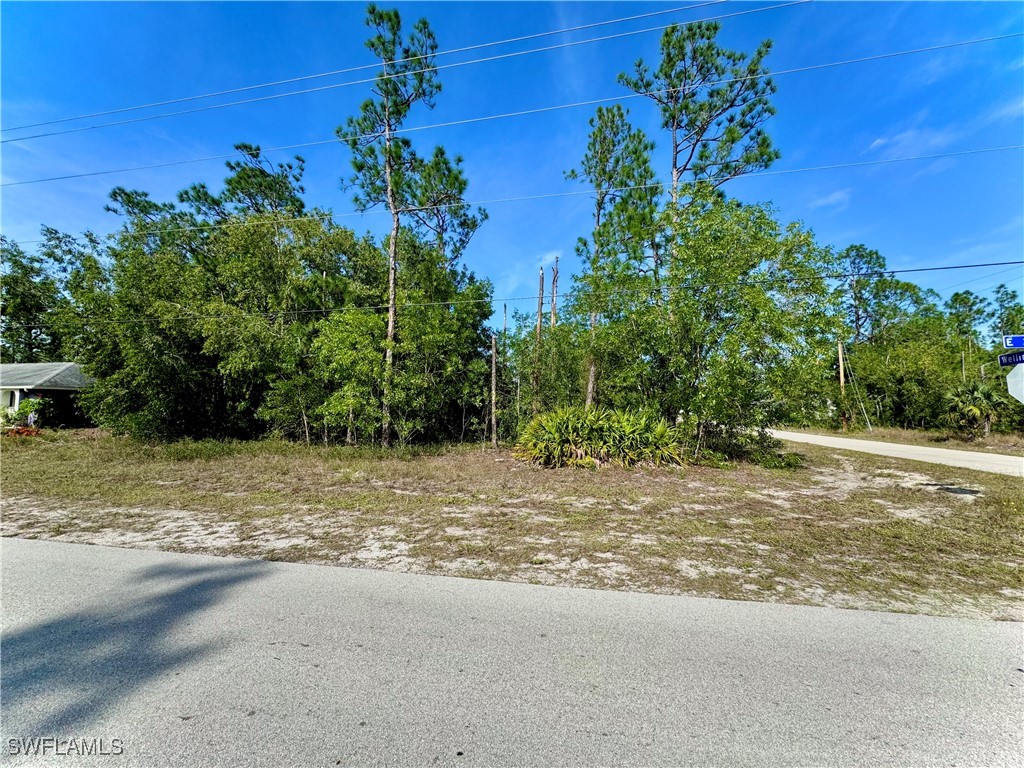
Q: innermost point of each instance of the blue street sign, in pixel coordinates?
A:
(1011, 358)
(1013, 342)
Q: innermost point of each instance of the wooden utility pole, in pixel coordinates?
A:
(494, 390)
(842, 386)
(540, 304)
(592, 373)
(536, 347)
(554, 293)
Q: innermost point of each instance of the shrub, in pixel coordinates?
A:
(971, 409)
(40, 406)
(590, 437)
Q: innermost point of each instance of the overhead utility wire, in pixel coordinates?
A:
(521, 113)
(683, 286)
(389, 76)
(348, 70)
(548, 195)
(947, 288)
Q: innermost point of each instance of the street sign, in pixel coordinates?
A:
(1011, 358)
(1013, 342)
(1015, 383)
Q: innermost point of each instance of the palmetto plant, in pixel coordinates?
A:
(971, 408)
(590, 437)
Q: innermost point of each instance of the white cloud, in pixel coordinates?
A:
(548, 258)
(915, 141)
(522, 275)
(839, 200)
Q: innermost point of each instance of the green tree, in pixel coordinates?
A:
(441, 213)
(29, 294)
(971, 408)
(384, 163)
(198, 321)
(968, 312)
(1008, 314)
(713, 102)
(617, 167)
(750, 312)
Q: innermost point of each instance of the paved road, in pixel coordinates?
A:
(194, 660)
(984, 462)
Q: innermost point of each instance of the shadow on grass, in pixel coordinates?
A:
(59, 676)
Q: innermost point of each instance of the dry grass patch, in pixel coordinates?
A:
(849, 529)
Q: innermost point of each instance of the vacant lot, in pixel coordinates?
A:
(847, 530)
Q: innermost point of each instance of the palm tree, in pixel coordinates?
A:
(973, 406)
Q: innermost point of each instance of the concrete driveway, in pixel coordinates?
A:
(201, 661)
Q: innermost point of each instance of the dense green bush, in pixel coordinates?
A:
(590, 437)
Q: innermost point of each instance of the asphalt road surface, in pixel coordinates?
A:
(193, 660)
(984, 462)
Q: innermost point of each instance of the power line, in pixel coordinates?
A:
(455, 302)
(549, 195)
(365, 81)
(362, 67)
(520, 113)
(944, 289)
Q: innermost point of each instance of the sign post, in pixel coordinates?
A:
(1013, 342)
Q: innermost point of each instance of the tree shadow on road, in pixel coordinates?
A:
(59, 676)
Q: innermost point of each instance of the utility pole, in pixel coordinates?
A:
(494, 391)
(536, 348)
(540, 303)
(554, 293)
(842, 386)
(592, 373)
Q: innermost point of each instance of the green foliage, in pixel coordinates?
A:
(269, 322)
(696, 324)
(40, 406)
(29, 292)
(590, 437)
(713, 103)
(971, 408)
(1007, 314)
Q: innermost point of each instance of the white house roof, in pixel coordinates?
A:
(42, 376)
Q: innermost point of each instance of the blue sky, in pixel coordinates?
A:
(63, 59)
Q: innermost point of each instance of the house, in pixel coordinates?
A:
(57, 382)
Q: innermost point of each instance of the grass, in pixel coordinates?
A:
(847, 529)
(1008, 443)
